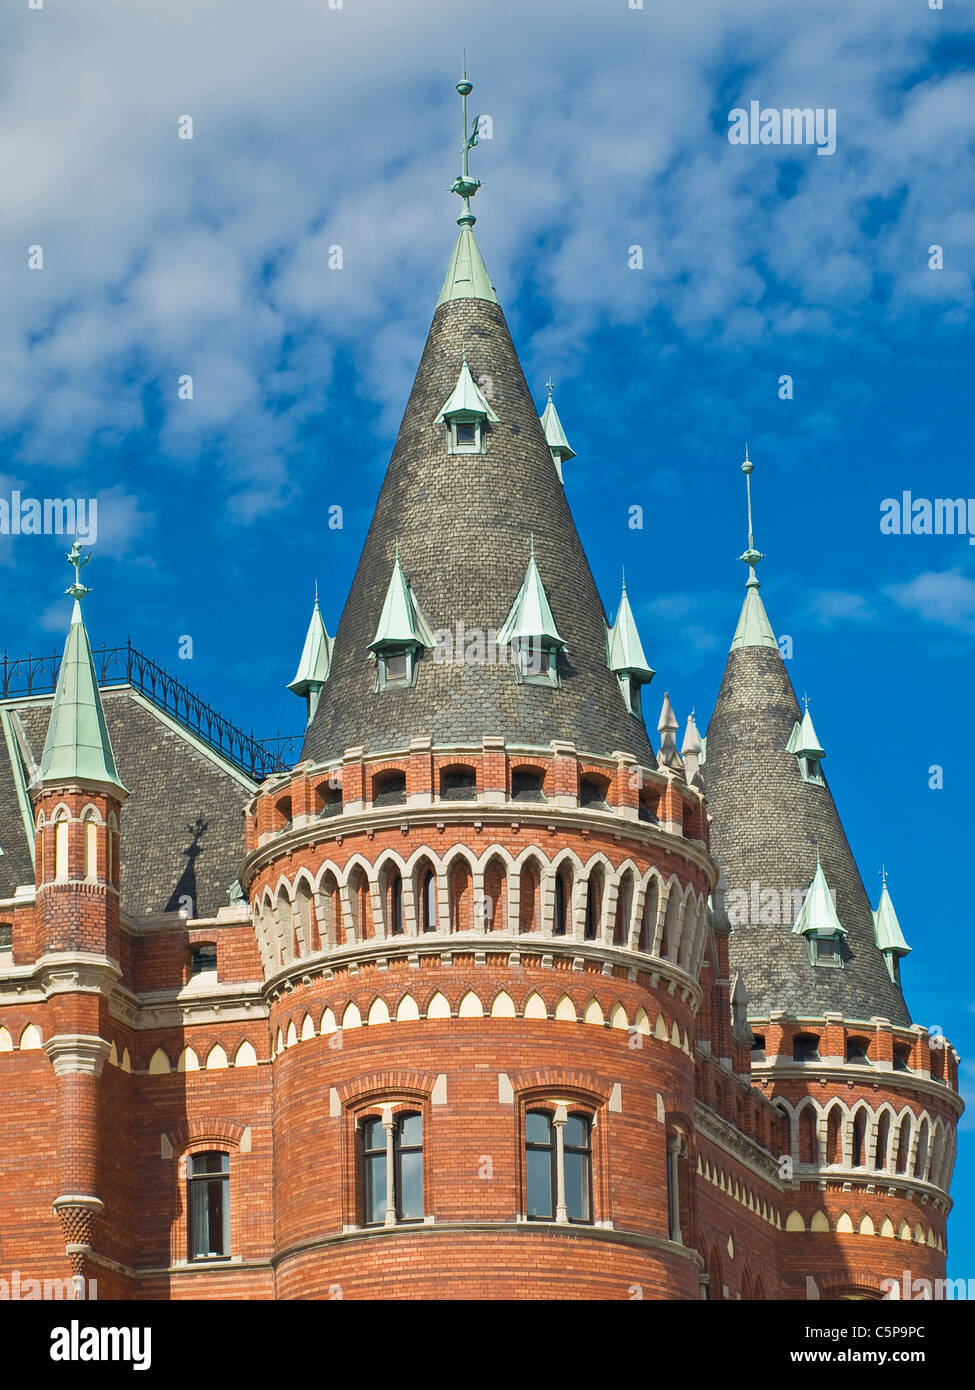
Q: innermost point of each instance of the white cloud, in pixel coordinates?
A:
(946, 597)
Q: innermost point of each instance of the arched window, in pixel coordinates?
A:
(624, 906)
(859, 1139)
(458, 784)
(563, 892)
(91, 846)
(527, 784)
(495, 906)
(558, 1166)
(461, 896)
(61, 846)
(391, 1157)
(395, 904)
(805, 1047)
(648, 922)
(594, 904)
(883, 1139)
(808, 1137)
(593, 791)
(428, 900)
(903, 1144)
(208, 1203)
(529, 896)
(922, 1150)
(834, 1136)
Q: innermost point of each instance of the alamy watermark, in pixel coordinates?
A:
(49, 516)
(908, 515)
(18, 1289)
(792, 125)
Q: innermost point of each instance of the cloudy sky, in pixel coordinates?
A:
(316, 127)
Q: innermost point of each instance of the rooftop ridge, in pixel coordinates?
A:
(37, 675)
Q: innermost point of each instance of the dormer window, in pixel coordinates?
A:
(466, 436)
(465, 414)
(811, 771)
(395, 668)
(826, 950)
(535, 662)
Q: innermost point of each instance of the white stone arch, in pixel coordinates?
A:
(921, 1148)
(328, 904)
(703, 935)
(459, 852)
(649, 885)
(883, 1109)
(939, 1153)
(551, 868)
(260, 914)
(859, 1107)
(536, 856)
(487, 921)
(669, 920)
(796, 1113)
(691, 917)
(613, 885)
(843, 1111)
(388, 863)
(905, 1115)
(420, 861)
(597, 861)
(305, 915)
(356, 864)
(91, 812)
(283, 916)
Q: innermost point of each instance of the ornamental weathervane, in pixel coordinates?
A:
(77, 590)
(464, 186)
(751, 556)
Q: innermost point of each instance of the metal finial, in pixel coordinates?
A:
(396, 546)
(883, 873)
(465, 187)
(805, 700)
(531, 544)
(550, 387)
(316, 593)
(751, 556)
(623, 568)
(77, 590)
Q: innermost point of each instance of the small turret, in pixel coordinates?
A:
(316, 658)
(554, 433)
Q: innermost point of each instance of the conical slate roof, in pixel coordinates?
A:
(767, 827)
(462, 520)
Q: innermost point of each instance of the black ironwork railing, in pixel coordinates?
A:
(37, 675)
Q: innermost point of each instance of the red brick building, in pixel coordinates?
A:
(461, 1005)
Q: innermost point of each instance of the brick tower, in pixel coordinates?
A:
(871, 1098)
(77, 800)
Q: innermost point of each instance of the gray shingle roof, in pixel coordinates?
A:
(767, 824)
(182, 824)
(463, 521)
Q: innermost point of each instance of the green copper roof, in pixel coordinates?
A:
(804, 740)
(530, 614)
(554, 433)
(887, 928)
(817, 916)
(78, 746)
(466, 401)
(467, 276)
(316, 656)
(754, 628)
(401, 624)
(626, 654)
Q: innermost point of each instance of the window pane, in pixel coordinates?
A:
(215, 1210)
(577, 1186)
(577, 1132)
(539, 1182)
(411, 1186)
(210, 1163)
(375, 1189)
(538, 1127)
(411, 1130)
(373, 1135)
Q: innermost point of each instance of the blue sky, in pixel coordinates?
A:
(316, 127)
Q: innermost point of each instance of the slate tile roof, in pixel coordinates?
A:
(766, 826)
(463, 521)
(182, 830)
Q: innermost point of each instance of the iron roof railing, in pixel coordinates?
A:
(37, 675)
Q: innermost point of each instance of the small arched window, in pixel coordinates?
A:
(391, 1155)
(396, 905)
(61, 846)
(389, 789)
(805, 1047)
(428, 900)
(558, 1159)
(91, 847)
(559, 922)
(527, 785)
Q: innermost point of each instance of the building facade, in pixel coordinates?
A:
(484, 996)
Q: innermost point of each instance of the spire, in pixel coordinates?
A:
(890, 938)
(817, 916)
(754, 628)
(530, 617)
(554, 433)
(626, 656)
(667, 728)
(467, 276)
(78, 747)
(691, 751)
(401, 624)
(316, 658)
